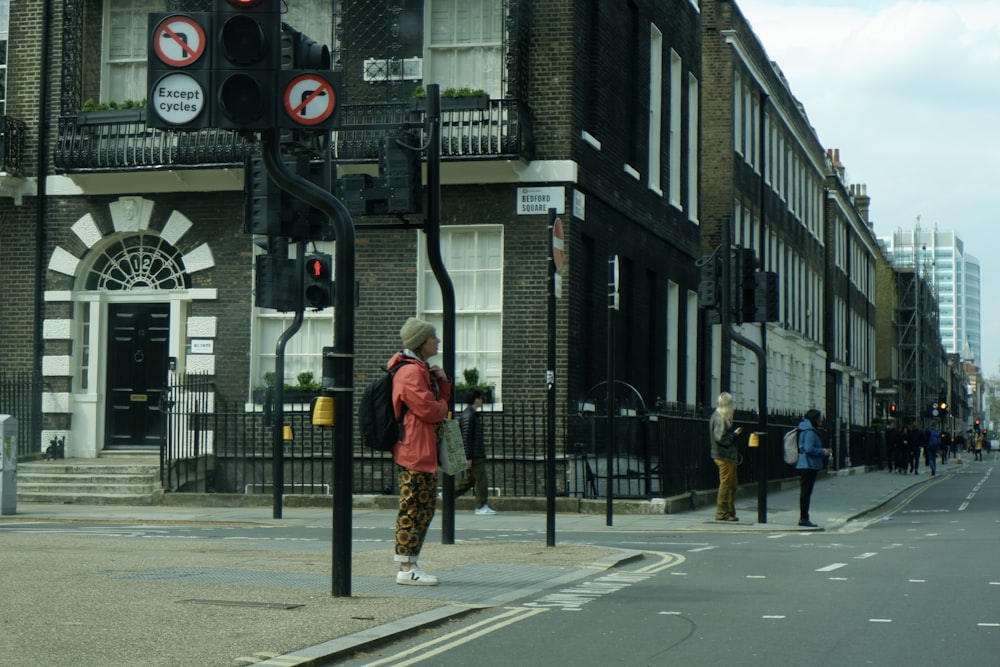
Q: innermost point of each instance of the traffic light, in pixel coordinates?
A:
(892, 409)
(399, 168)
(743, 284)
(267, 209)
(274, 286)
(317, 292)
(179, 71)
(245, 59)
(765, 297)
(708, 287)
(308, 92)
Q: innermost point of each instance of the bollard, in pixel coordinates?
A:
(8, 465)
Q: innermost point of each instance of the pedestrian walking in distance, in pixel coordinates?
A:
(811, 459)
(476, 476)
(722, 436)
(424, 390)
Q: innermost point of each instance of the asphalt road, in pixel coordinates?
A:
(917, 583)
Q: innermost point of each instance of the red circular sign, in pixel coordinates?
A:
(309, 99)
(179, 41)
(558, 245)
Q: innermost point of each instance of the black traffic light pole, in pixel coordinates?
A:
(341, 384)
(432, 228)
(725, 315)
(278, 396)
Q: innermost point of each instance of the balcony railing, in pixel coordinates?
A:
(119, 140)
(12, 132)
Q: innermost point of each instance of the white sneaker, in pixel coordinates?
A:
(485, 509)
(415, 577)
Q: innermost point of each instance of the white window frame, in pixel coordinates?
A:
(676, 71)
(655, 109)
(478, 325)
(694, 153)
(124, 77)
(444, 46)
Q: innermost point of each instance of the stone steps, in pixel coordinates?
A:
(102, 481)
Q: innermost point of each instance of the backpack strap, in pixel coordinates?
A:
(392, 371)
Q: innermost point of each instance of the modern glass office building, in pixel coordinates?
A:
(940, 258)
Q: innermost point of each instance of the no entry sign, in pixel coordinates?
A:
(309, 99)
(179, 41)
(558, 244)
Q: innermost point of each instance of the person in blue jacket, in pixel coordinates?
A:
(811, 456)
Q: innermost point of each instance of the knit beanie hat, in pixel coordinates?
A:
(415, 333)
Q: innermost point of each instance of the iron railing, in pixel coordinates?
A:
(119, 140)
(227, 449)
(12, 136)
(16, 392)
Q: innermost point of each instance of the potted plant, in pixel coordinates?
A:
(453, 99)
(303, 392)
(103, 113)
(471, 381)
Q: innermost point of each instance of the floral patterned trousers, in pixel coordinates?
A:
(417, 502)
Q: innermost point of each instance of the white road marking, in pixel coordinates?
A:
(988, 625)
(773, 616)
(866, 555)
(701, 549)
(880, 620)
(918, 581)
(831, 567)
(838, 578)
(756, 576)
(459, 637)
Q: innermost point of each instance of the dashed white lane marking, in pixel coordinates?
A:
(700, 549)
(775, 616)
(995, 583)
(831, 567)
(865, 555)
(670, 613)
(988, 625)
(756, 576)
(918, 581)
(838, 578)
(880, 620)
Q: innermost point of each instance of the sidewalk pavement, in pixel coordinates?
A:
(85, 603)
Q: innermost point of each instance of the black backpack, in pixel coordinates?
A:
(379, 424)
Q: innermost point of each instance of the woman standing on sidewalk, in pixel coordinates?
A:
(811, 455)
(722, 434)
(422, 391)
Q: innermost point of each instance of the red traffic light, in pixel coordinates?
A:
(317, 268)
(318, 290)
(892, 409)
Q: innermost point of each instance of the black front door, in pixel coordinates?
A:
(137, 373)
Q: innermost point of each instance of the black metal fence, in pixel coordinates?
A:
(228, 449)
(16, 391)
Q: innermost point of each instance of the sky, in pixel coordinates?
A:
(908, 91)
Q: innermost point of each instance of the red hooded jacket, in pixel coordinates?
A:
(425, 408)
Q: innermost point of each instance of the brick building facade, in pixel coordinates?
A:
(147, 274)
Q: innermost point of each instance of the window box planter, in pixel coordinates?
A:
(467, 103)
